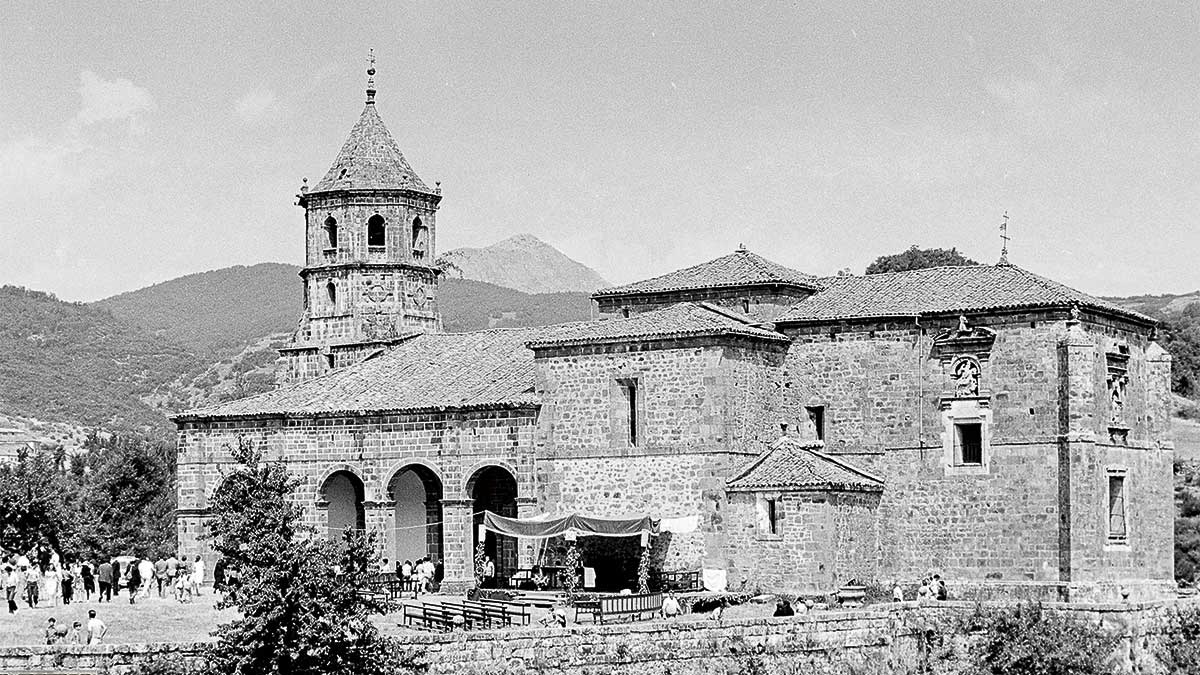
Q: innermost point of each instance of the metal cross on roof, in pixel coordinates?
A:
(1004, 238)
(371, 76)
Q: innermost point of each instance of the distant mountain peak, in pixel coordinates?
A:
(522, 262)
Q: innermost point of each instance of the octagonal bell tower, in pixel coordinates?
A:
(369, 278)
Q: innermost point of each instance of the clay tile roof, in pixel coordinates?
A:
(370, 160)
(682, 320)
(430, 372)
(792, 465)
(941, 290)
(740, 268)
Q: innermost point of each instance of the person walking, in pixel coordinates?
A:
(116, 577)
(146, 572)
(87, 574)
(104, 576)
(96, 629)
(53, 583)
(68, 585)
(12, 581)
(32, 579)
(134, 580)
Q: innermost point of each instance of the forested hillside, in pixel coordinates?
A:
(216, 313)
(70, 362)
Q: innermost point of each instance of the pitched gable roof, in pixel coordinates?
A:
(370, 160)
(681, 320)
(942, 290)
(428, 372)
(741, 268)
(792, 465)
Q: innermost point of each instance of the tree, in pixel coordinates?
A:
(299, 596)
(1030, 640)
(919, 258)
(126, 495)
(35, 504)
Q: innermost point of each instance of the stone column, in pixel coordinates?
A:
(527, 507)
(379, 518)
(1078, 498)
(458, 541)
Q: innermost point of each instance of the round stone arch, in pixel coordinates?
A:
(471, 474)
(342, 495)
(358, 473)
(389, 476)
(414, 492)
(493, 486)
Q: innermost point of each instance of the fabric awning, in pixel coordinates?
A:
(588, 526)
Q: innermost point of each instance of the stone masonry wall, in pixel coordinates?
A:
(881, 639)
(373, 448)
(881, 384)
(823, 540)
(703, 410)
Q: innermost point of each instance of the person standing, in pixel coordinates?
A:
(897, 592)
(172, 570)
(219, 576)
(197, 576)
(160, 574)
(96, 629)
(87, 574)
(116, 577)
(104, 576)
(53, 582)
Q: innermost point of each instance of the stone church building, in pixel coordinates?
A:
(981, 422)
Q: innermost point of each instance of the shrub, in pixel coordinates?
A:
(1179, 651)
(1028, 639)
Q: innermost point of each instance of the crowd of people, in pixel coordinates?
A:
(423, 576)
(40, 578)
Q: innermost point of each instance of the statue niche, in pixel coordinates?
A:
(965, 373)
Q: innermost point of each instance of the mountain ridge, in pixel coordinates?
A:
(522, 262)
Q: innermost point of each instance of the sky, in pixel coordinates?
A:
(144, 141)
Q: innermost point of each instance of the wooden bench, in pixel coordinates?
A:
(430, 617)
(475, 615)
(635, 606)
(683, 580)
(513, 611)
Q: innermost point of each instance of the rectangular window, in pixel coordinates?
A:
(772, 516)
(968, 443)
(629, 394)
(1117, 528)
(816, 417)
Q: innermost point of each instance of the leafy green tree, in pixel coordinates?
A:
(126, 495)
(919, 258)
(299, 596)
(35, 505)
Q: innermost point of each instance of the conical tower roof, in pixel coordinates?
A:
(370, 158)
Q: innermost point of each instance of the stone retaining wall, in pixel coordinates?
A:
(888, 639)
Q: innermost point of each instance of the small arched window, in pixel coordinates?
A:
(331, 232)
(376, 231)
(418, 238)
(331, 293)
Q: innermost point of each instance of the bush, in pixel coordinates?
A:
(1180, 649)
(1030, 640)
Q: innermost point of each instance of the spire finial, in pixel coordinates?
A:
(371, 76)
(1004, 239)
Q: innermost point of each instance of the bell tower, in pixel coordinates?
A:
(369, 278)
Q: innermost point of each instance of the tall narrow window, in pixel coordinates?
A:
(418, 238)
(376, 232)
(331, 232)
(968, 443)
(772, 516)
(329, 361)
(816, 417)
(331, 293)
(1117, 526)
(629, 395)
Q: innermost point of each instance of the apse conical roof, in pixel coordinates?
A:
(370, 160)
